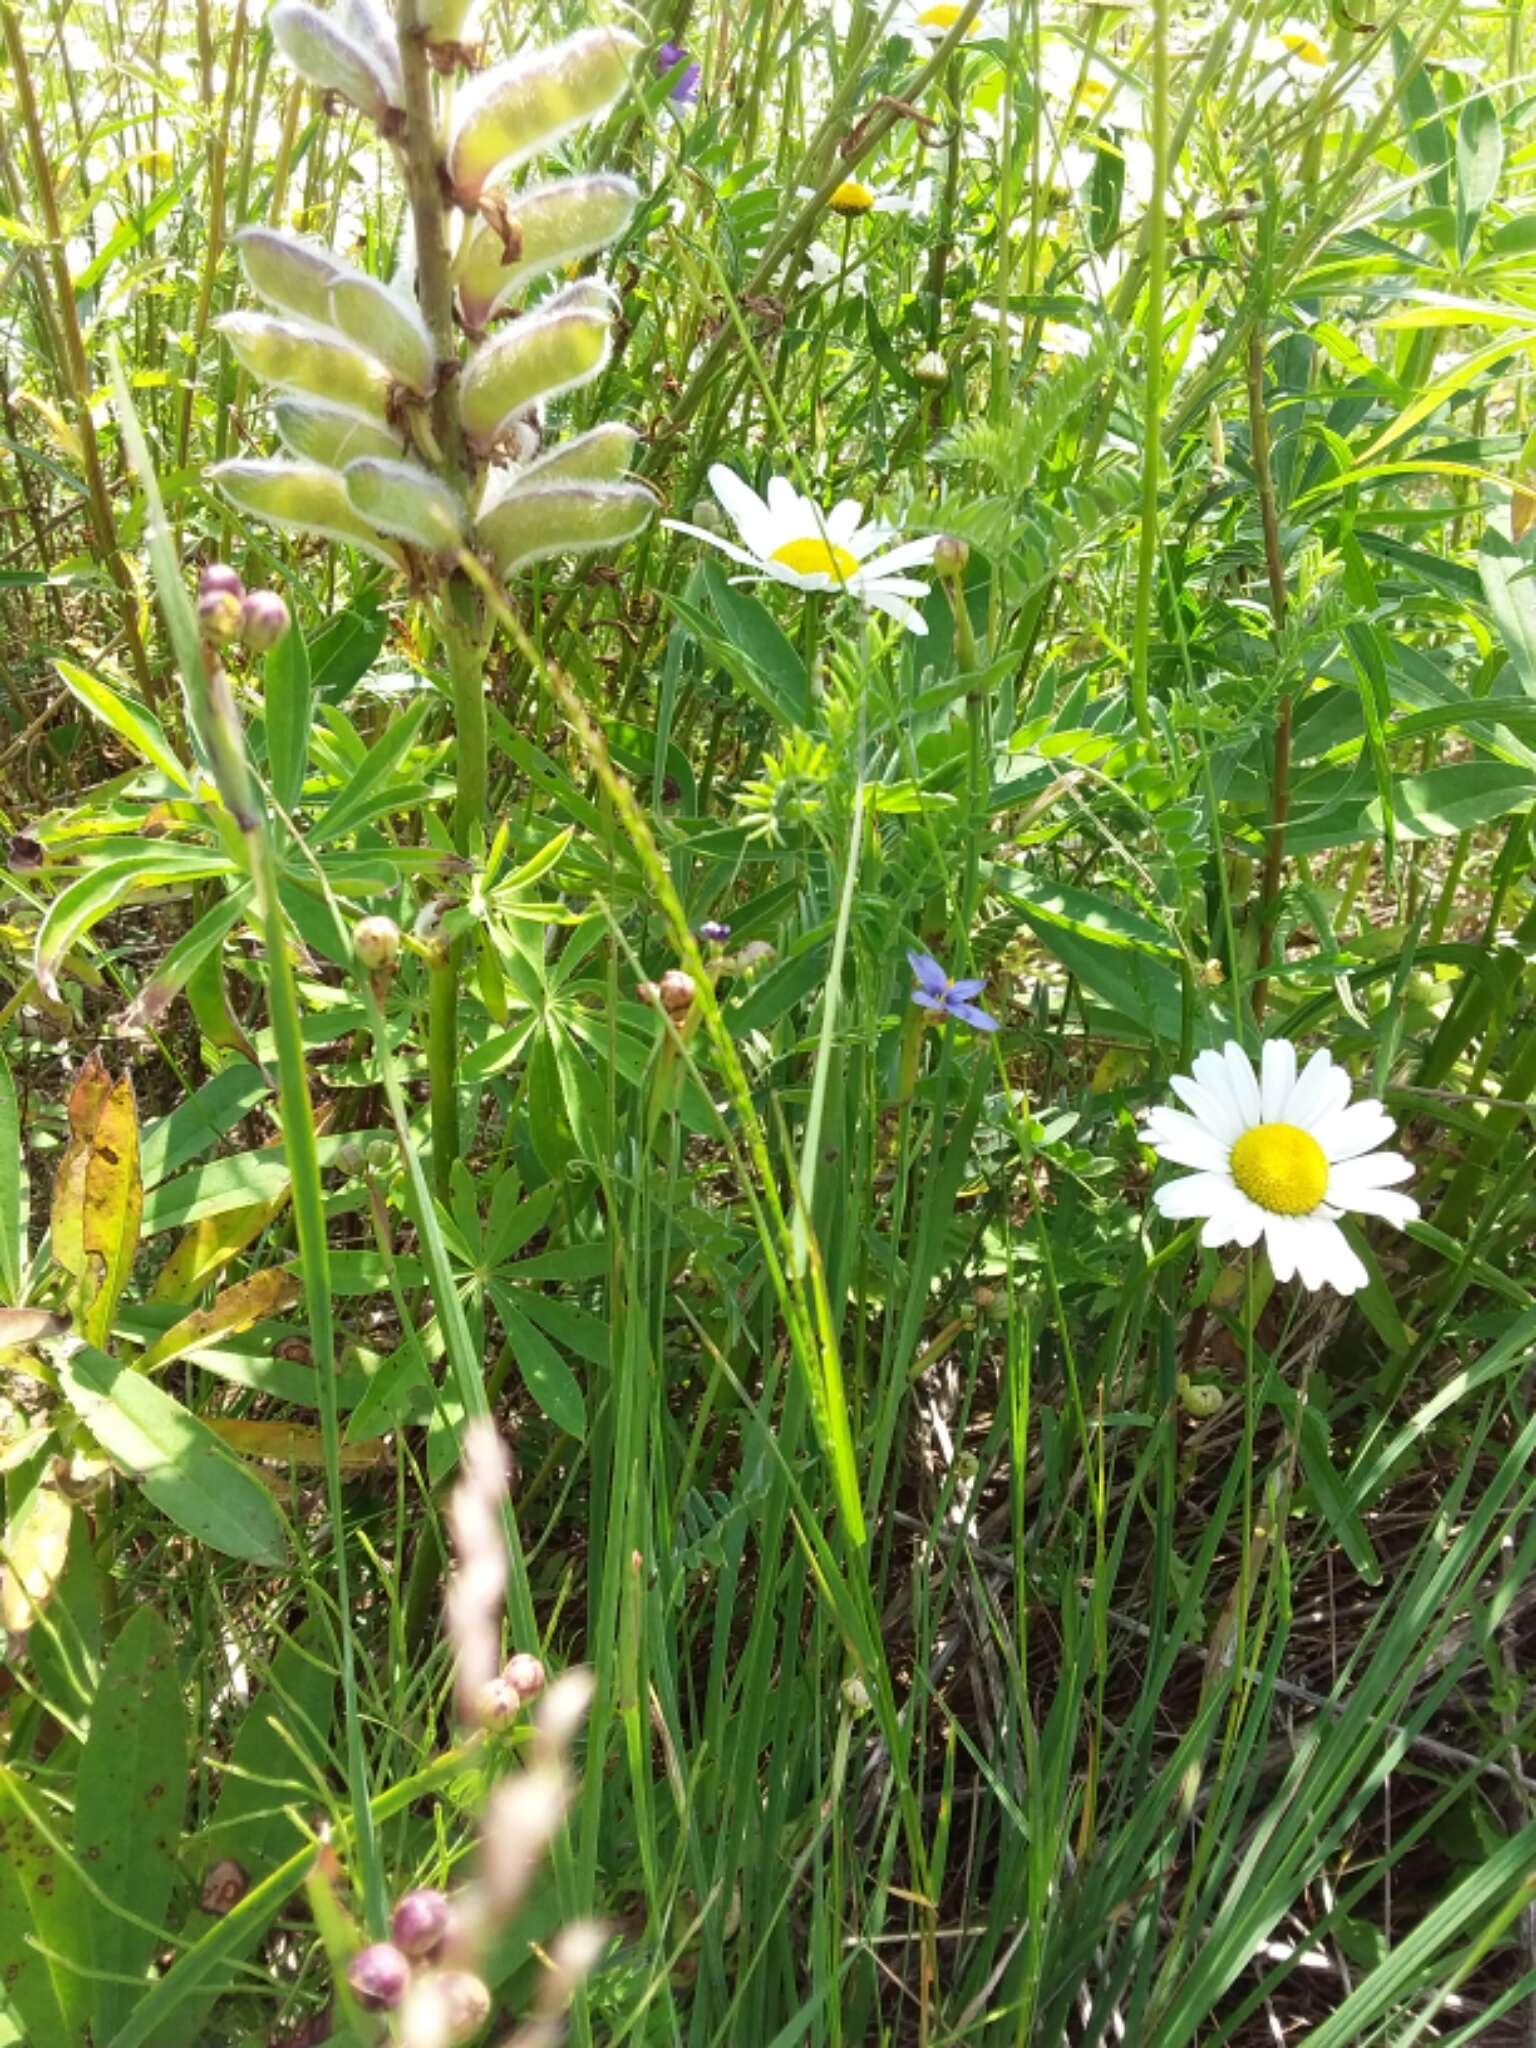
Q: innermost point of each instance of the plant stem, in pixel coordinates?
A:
(1274, 567)
(1152, 423)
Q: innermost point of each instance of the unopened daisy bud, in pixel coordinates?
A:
(675, 992)
(220, 576)
(351, 1158)
(263, 620)
(376, 941)
(525, 1673)
(218, 615)
(951, 556)
(931, 368)
(419, 1921)
(379, 1976)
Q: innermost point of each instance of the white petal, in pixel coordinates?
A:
(1360, 1128)
(798, 579)
(906, 556)
(1315, 1237)
(1240, 1222)
(1335, 1097)
(1278, 1077)
(843, 521)
(1311, 1090)
(1185, 1141)
(1282, 1241)
(741, 502)
(889, 586)
(1387, 1203)
(1375, 1170)
(1214, 1109)
(1241, 1081)
(898, 609)
(726, 547)
(786, 505)
(1197, 1194)
(1335, 1258)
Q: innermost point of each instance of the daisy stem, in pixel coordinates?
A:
(1274, 567)
(1152, 443)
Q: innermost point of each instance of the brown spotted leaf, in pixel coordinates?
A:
(290, 1443)
(98, 1197)
(234, 1309)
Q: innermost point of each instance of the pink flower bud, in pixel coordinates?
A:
(379, 1976)
(219, 613)
(525, 1674)
(675, 992)
(419, 1921)
(264, 620)
(220, 576)
(446, 2006)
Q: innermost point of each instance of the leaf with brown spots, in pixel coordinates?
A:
(98, 1197)
(44, 1924)
(130, 1794)
(236, 1308)
(289, 1443)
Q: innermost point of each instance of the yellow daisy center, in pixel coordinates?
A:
(1302, 46)
(814, 556)
(1093, 92)
(1282, 1168)
(942, 15)
(852, 196)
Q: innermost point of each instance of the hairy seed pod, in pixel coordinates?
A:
(332, 60)
(599, 456)
(524, 106)
(292, 275)
(537, 359)
(388, 326)
(543, 520)
(301, 497)
(408, 501)
(304, 359)
(329, 436)
(550, 226)
(447, 21)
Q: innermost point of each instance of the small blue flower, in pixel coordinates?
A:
(685, 88)
(713, 930)
(935, 991)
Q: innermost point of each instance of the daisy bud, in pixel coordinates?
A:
(376, 941)
(855, 1696)
(951, 556)
(419, 1921)
(220, 576)
(379, 1976)
(218, 615)
(533, 522)
(309, 360)
(521, 108)
(541, 356)
(931, 368)
(403, 499)
(291, 274)
(301, 497)
(707, 514)
(444, 2008)
(332, 60)
(351, 1158)
(263, 620)
(526, 1674)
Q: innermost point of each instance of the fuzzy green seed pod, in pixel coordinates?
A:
(445, 21)
(306, 360)
(599, 456)
(524, 106)
(541, 520)
(291, 274)
(386, 325)
(551, 226)
(329, 436)
(332, 60)
(301, 497)
(545, 354)
(405, 500)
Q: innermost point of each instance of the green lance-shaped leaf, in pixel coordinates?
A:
(334, 61)
(532, 523)
(301, 497)
(387, 326)
(406, 500)
(524, 106)
(546, 228)
(328, 435)
(292, 274)
(599, 456)
(307, 360)
(545, 354)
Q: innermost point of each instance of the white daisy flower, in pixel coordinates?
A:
(855, 197)
(1280, 1156)
(930, 21)
(788, 538)
(1083, 89)
(1296, 63)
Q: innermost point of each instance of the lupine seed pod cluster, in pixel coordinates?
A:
(350, 359)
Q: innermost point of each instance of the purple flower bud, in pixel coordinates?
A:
(713, 930)
(220, 576)
(263, 621)
(525, 1674)
(685, 88)
(219, 613)
(379, 1976)
(419, 1921)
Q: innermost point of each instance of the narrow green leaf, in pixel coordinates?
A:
(288, 697)
(46, 1917)
(545, 1374)
(138, 728)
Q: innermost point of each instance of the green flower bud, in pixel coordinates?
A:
(549, 227)
(301, 497)
(599, 456)
(403, 499)
(931, 369)
(533, 522)
(951, 556)
(545, 354)
(387, 326)
(305, 359)
(334, 61)
(218, 614)
(522, 107)
(329, 436)
(292, 275)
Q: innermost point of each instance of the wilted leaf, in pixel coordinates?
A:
(290, 1443)
(98, 1196)
(34, 1549)
(235, 1309)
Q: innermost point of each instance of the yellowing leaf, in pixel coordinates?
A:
(288, 1443)
(98, 1197)
(236, 1308)
(36, 1546)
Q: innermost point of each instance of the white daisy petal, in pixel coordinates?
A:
(1240, 1222)
(726, 547)
(1216, 1112)
(1277, 1077)
(741, 502)
(1196, 1194)
(898, 609)
(1310, 1089)
(894, 586)
(1314, 1262)
(1282, 1242)
(1241, 1080)
(1250, 1222)
(1342, 1267)
(1335, 1094)
(906, 556)
(1185, 1141)
(1360, 1128)
(1388, 1203)
(843, 521)
(1379, 1170)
